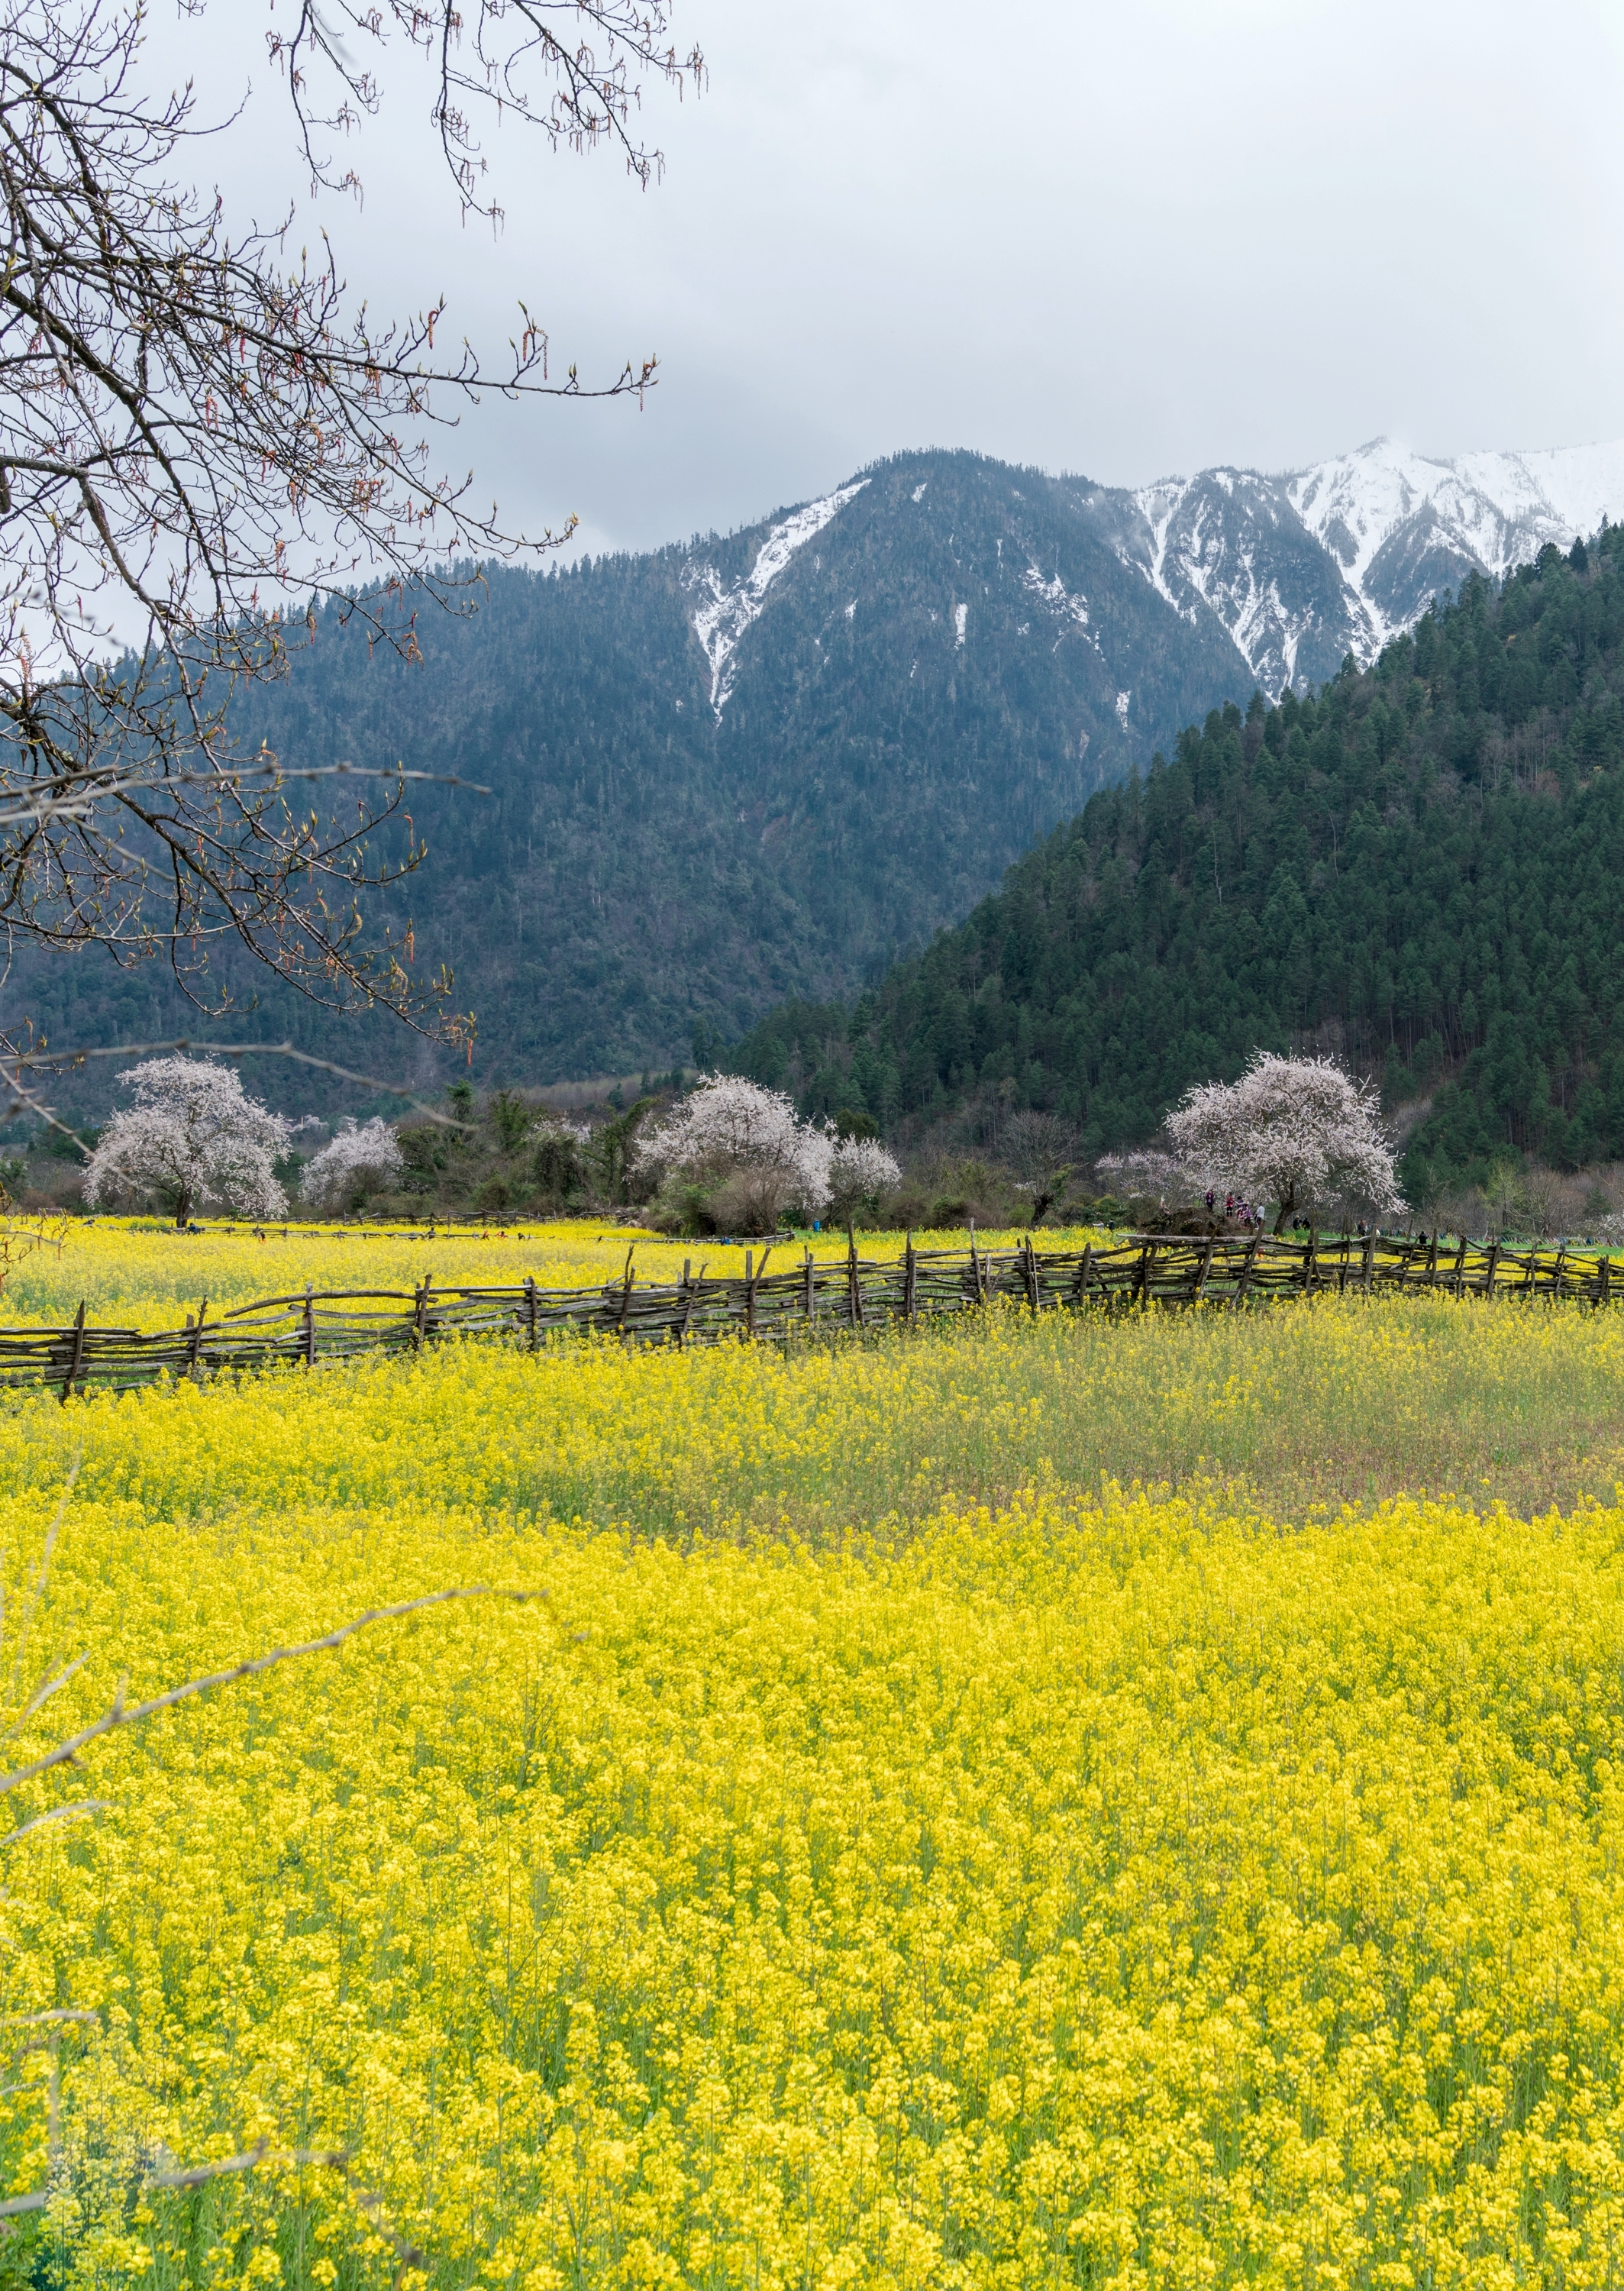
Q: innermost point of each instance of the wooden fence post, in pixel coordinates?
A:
(1247, 1270)
(1141, 1279)
(310, 1325)
(1369, 1266)
(1085, 1266)
(74, 1358)
(191, 1349)
(530, 1307)
(420, 1319)
(811, 1297)
(1459, 1266)
(908, 1280)
(687, 1307)
(1206, 1267)
(853, 1287)
(1029, 1268)
(626, 1294)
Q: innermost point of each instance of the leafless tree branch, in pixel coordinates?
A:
(203, 438)
(26, 1101)
(122, 1714)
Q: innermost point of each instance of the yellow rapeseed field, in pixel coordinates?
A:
(143, 1274)
(890, 1847)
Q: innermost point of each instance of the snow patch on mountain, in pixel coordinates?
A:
(1160, 504)
(1060, 600)
(726, 612)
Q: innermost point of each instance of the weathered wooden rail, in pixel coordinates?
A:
(806, 1298)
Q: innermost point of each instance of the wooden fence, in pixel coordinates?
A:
(780, 1305)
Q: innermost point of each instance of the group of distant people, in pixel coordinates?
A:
(1247, 1217)
(1236, 1211)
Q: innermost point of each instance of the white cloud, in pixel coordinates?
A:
(1121, 240)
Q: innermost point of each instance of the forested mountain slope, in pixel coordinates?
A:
(1421, 867)
(725, 773)
(769, 764)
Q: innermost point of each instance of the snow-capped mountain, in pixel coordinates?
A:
(757, 764)
(1303, 567)
(1293, 570)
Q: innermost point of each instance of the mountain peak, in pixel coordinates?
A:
(1307, 566)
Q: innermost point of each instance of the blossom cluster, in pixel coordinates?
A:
(733, 1134)
(194, 1134)
(357, 1158)
(1300, 1132)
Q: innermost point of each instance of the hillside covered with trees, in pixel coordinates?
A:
(1417, 868)
(677, 835)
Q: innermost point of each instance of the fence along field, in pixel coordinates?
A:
(886, 1855)
(858, 1293)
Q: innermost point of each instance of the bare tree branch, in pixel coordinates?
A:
(578, 84)
(79, 1809)
(203, 439)
(78, 802)
(26, 1101)
(121, 1714)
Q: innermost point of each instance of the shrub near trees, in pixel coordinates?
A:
(735, 1156)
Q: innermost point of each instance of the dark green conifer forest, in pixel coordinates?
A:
(1419, 869)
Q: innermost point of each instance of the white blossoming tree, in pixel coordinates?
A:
(360, 1159)
(194, 1135)
(746, 1148)
(1299, 1132)
(859, 1168)
(1147, 1179)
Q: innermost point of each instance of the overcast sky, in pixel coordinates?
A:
(1125, 240)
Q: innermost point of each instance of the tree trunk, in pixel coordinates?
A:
(1286, 1207)
(183, 1212)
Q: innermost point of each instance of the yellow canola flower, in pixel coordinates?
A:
(134, 1272)
(1116, 1892)
(890, 1848)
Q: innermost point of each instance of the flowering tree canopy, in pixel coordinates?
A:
(859, 1168)
(357, 1160)
(749, 1143)
(1299, 1132)
(192, 1132)
(1159, 1180)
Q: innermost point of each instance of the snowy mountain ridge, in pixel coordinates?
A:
(1307, 565)
(1277, 576)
